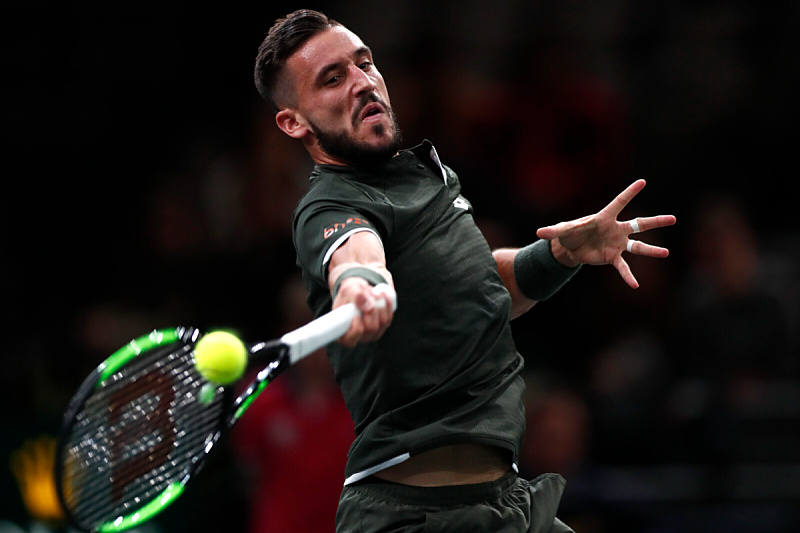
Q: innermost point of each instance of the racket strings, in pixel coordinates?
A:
(141, 430)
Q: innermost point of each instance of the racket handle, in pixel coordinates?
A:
(330, 326)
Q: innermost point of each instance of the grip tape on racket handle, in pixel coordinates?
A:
(330, 326)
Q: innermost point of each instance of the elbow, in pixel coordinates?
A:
(520, 306)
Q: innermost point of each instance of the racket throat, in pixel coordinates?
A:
(263, 378)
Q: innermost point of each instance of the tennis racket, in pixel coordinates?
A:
(138, 429)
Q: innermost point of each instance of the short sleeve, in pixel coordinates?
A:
(321, 229)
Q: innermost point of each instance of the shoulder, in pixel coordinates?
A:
(340, 198)
(333, 184)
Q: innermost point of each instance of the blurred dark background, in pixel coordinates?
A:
(146, 185)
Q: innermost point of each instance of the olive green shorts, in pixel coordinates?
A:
(508, 505)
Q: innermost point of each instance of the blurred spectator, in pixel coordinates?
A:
(627, 383)
(731, 344)
(557, 439)
(294, 440)
(731, 327)
(557, 436)
(277, 176)
(571, 138)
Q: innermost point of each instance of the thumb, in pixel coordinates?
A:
(550, 232)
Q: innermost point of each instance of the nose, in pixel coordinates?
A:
(362, 82)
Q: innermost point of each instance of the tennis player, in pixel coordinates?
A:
(437, 398)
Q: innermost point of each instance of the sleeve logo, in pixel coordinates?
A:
(331, 230)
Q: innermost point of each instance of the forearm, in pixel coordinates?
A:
(520, 303)
(355, 268)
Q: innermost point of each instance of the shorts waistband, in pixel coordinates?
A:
(446, 495)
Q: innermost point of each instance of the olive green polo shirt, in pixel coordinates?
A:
(446, 371)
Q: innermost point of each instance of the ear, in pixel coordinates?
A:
(292, 123)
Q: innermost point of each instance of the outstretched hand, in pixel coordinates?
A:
(600, 239)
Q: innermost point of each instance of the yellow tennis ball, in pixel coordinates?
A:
(220, 357)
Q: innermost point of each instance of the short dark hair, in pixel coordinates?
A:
(283, 39)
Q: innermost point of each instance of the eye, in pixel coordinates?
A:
(365, 65)
(332, 80)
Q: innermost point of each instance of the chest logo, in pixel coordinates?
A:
(461, 203)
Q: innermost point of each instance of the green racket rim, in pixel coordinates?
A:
(158, 504)
(154, 339)
(108, 369)
(250, 399)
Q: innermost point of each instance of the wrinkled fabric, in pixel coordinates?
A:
(508, 505)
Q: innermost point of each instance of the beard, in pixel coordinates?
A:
(340, 145)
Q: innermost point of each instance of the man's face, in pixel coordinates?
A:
(343, 100)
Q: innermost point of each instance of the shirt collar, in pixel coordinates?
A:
(426, 152)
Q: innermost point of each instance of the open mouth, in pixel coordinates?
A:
(371, 110)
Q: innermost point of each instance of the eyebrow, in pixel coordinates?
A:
(327, 69)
